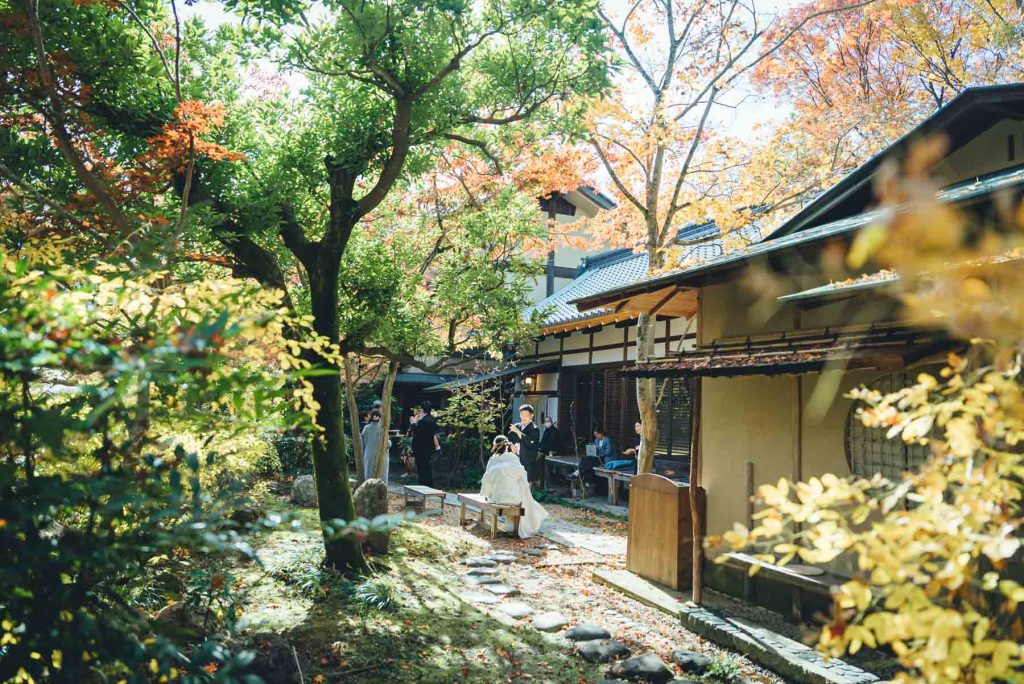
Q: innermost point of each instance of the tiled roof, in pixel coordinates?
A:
(604, 271)
(962, 192)
(619, 268)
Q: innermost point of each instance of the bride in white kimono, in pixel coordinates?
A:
(505, 482)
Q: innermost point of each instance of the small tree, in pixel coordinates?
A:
(475, 409)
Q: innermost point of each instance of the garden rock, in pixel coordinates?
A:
(478, 597)
(371, 499)
(304, 491)
(501, 556)
(483, 571)
(550, 622)
(176, 615)
(516, 609)
(479, 562)
(602, 650)
(691, 662)
(246, 516)
(643, 668)
(587, 632)
(274, 660)
(477, 580)
(501, 589)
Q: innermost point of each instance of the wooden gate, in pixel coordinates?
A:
(660, 542)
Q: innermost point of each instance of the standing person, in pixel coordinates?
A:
(372, 434)
(424, 444)
(550, 439)
(526, 434)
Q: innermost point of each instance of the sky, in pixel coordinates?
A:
(741, 120)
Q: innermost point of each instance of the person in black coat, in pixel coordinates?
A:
(550, 441)
(526, 434)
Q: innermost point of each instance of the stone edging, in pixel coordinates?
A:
(792, 660)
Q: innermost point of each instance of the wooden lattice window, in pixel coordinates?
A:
(868, 451)
(674, 420)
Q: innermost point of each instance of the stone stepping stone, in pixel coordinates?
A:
(516, 609)
(483, 571)
(550, 622)
(476, 580)
(643, 668)
(502, 589)
(587, 632)
(478, 597)
(479, 562)
(501, 556)
(534, 552)
(691, 662)
(602, 650)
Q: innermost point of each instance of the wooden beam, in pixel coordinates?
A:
(661, 302)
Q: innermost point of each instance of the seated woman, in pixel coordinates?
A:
(505, 482)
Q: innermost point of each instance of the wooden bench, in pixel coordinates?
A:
(673, 470)
(614, 477)
(820, 584)
(494, 509)
(562, 464)
(424, 494)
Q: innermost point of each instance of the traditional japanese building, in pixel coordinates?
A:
(769, 366)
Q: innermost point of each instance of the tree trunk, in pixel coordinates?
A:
(330, 464)
(385, 418)
(353, 410)
(646, 395)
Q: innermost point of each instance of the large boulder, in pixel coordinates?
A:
(371, 500)
(304, 491)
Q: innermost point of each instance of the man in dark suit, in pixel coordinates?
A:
(526, 434)
(424, 444)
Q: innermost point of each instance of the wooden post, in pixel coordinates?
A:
(695, 512)
(798, 429)
(748, 581)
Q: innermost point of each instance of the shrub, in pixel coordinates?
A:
(376, 593)
(294, 453)
(108, 500)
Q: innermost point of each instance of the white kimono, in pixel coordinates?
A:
(505, 482)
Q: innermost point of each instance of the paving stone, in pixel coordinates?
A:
(479, 562)
(534, 552)
(483, 571)
(587, 632)
(602, 650)
(516, 609)
(643, 668)
(691, 662)
(477, 580)
(478, 597)
(501, 589)
(501, 556)
(550, 622)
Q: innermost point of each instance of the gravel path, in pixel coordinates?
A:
(558, 578)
